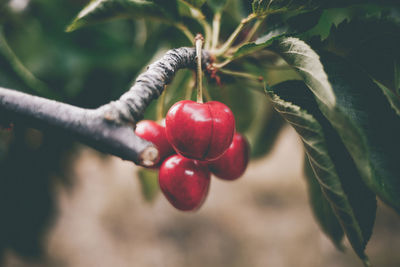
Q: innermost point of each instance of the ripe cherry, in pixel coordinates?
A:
(200, 131)
(232, 164)
(184, 182)
(155, 133)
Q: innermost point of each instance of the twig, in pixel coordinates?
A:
(108, 128)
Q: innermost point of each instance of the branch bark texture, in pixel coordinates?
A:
(109, 128)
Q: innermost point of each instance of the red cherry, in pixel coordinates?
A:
(184, 182)
(200, 131)
(155, 133)
(232, 164)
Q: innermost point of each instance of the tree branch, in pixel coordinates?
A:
(109, 128)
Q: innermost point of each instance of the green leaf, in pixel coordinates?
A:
(332, 17)
(102, 10)
(321, 207)
(328, 19)
(216, 5)
(355, 40)
(357, 109)
(263, 7)
(148, 183)
(353, 203)
(306, 62)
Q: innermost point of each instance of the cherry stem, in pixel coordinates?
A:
(199, 43)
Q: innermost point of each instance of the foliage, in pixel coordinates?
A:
(331, 69)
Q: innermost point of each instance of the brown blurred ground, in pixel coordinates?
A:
(263, 220)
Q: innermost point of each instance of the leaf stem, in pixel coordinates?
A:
(234, 35)
(215, 30)
(199, 43)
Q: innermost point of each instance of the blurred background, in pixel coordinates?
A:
(64, 204)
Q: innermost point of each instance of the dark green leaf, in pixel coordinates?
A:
(321, 207)
(332, 17)
(329, 18)
(353, 203)
(372, 43)
(149, 183)
(358, 110)
(102, 10)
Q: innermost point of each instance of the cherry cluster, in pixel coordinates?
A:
(198, 139)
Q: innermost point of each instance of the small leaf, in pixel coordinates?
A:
(321, 207)
(353, 203)
(149, 183)
(358, 110)
(102, 10)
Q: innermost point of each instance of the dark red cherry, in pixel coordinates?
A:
(184, 182)
(200, 131)
(155, 133)
(232, 164)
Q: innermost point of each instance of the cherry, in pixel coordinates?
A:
(232, 164)
(200, 131)
(155, 133)
(184, 182)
